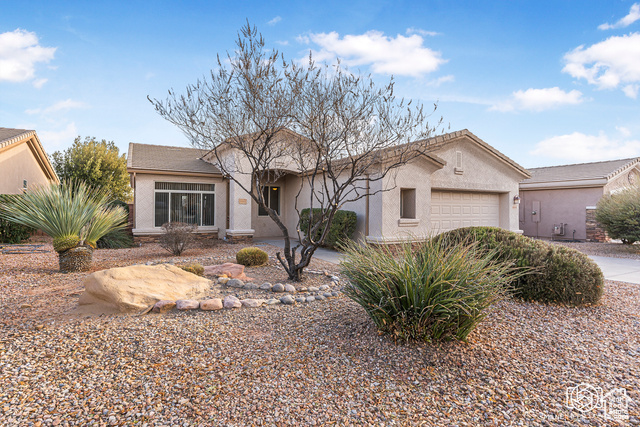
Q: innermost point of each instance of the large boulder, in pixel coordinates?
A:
(135, 288)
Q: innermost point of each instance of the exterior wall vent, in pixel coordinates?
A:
(459, 170)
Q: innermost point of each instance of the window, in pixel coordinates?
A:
(408, 203)
(184, 202)
(271, 196)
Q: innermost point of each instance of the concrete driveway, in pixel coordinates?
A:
(621, 269)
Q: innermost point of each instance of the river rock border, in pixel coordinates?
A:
(320, 293)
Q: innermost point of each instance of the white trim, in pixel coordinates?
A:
(238, 233)
(408, 222)
(582, 183)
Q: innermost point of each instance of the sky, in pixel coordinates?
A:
(544, 82)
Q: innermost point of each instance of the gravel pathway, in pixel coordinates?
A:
(311, 364)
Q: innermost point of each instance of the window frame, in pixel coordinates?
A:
(268, 200)
(170, 192)
(406, 193)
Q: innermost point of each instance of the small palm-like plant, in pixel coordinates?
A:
(74, 214)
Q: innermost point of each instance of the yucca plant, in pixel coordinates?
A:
(74, 214)
(424, 291)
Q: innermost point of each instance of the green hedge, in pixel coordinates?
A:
(11, 232)
(342, 227)
(619, 214)
(557, 274)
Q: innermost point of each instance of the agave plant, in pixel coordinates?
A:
(73, 213)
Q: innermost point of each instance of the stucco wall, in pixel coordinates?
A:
(17, 164)
(557, 206)
(264, 226)
(145, 201)
(481, 171)
(622, 180)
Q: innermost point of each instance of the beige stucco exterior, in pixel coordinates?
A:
(483, 171)
(24, 160)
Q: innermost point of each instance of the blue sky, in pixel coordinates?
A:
(545, 82)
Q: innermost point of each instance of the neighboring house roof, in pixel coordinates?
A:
(578, 175)
(162, 158)
(10, 138)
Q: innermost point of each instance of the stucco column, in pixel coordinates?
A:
(239, 211)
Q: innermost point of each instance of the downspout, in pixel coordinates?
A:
(135, 213)
(228, 199)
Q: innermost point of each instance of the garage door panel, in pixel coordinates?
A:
(451, 209)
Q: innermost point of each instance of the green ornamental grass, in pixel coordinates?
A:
(425, 291)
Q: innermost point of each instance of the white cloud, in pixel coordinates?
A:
(578, 147)
(53, 140)
(631, 91)
(282, 42)
(39, 83)
(19, 53)
(633, 16)
(65, 105)
(440, 80)
(422, 32)
(608, 64)
(401, 55)
(274, 21)
(539, 99)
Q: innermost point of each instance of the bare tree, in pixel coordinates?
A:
(337, 131)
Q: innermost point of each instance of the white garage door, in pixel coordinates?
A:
(453, 209)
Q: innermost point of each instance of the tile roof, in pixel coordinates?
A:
(580, 171)
(171, 159)
(9, 136)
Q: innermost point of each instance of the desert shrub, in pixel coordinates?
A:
(193, 268)
(177, 236)
(252, 256)
(619, 214)
(10, 232)
(556, 274)
(120, 238)
(341, 229)
(426, 291)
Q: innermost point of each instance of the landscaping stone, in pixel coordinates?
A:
(266, 286)
(287, 299)
(252, 303)
(163, 306)
(313, 289)
(211, 304)
(311, 298)
(223, 280)
(335, 293)
(231, 302)
(235, 283)
(301, 299)
(137, 287)
(278, 287)
(289, 288)
(320, 298)
(187, 304)
(327, 295)
(272, 301)
(250, 286)
(324, 288)
(231, 270)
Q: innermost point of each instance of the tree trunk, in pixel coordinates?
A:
(75, 260)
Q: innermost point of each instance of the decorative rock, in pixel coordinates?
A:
(231, 302)
(252, 303)
(313, 289)
(266, 286)
(187, 304)
(235, 283)
(320, 297)
(335, 293)
(25, 305)
(327, 295)
(211, 304)
(272, 301)
(287, 299)
(303, 289)
(223, 280)
(325, 287)
(137, 287)
(335, 278)
(163, 306)
(278, 287)
(234, 271)
(301, 299)
(250, 286)
(311, 298)
(290, 288)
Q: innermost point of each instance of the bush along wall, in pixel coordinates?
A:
(557, 274)
(10, 232)
(342, 227)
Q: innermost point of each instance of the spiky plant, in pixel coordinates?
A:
(74, 214)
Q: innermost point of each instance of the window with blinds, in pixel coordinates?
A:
(184, 202)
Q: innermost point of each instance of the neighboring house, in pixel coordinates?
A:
(23, 161)
(461, 181)
(560, 201)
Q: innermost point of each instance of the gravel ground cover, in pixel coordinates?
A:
(615, 250)
(309, 364)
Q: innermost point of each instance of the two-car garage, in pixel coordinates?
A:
(455, 209)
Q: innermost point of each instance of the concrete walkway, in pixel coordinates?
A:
(621, 269)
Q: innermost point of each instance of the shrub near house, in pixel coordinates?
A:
(556, 274)
(342, 227)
